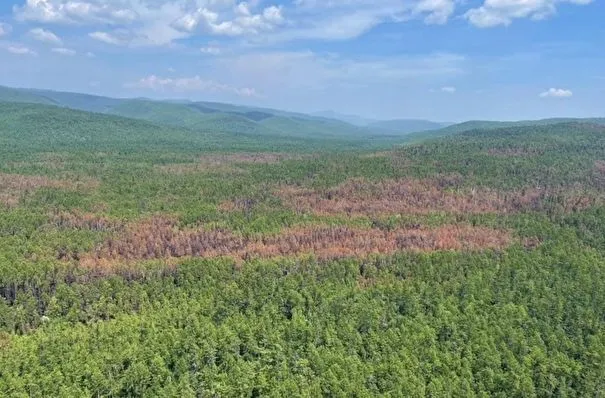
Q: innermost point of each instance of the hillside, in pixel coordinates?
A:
(235, 119)
(136, 260)
(42, 128)
(394, 126)
(351, 119)
(204, 116)
(405, 126)
(8, 94)
(493, 125)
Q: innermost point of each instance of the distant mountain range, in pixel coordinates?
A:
(194, 115)
(401, 126)
(255, 121)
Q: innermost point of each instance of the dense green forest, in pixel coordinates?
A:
(142, 259)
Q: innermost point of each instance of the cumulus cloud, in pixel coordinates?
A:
(157, 22)
(448, 89)
(161, 22)
(243, 22)
(435, 11)
(21, 50)
(5, 29)
(556, 93)
(45, 36)
(503, 12)
(189, 84)
(64, 51)
(77, 11)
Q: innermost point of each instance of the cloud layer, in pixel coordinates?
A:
(160, 22)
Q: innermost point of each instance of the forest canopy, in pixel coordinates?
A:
(146, 259)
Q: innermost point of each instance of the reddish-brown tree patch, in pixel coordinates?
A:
(160, 238)
(84, 221)
(14, 186)
(421, 196)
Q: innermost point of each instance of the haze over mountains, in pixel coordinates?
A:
(256, 122)
(394, 125)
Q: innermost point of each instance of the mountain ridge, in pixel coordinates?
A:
(240, 119)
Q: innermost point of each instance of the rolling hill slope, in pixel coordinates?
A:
(485, 125)
(195, 115)
(404, 126)
(235, 119)
(8, 94)
(43, 128)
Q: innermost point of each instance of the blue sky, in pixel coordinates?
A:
(446, 60)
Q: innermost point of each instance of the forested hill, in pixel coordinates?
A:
(484, 125)
(204, 116)
(134, 262)
(39, 128)
(406, 126)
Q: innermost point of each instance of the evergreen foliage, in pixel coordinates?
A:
(524, 320)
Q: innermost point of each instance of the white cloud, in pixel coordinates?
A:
(157, 22)
(243, 21)
(107, 38)
(77, 11)
(45, 36)
(5, 29)
(161, 22)
(436, 11)
(273, 15)
(64, 51)
(210, 50)
(21, 50)
(448, 89)
(90, 54)
(556, 93)
(188, 84)
(503, 12)
(342, 20)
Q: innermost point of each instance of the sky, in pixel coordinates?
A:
(443, 60)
